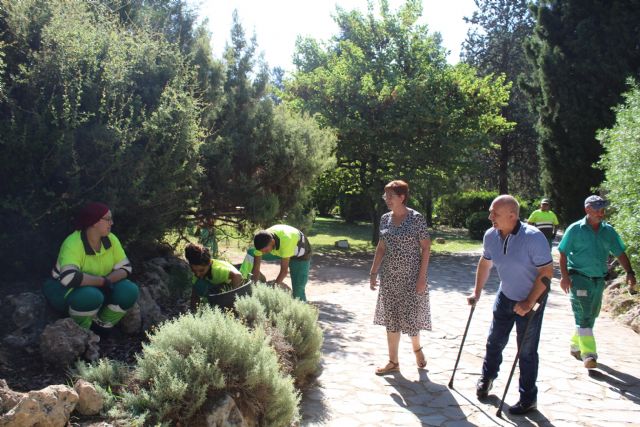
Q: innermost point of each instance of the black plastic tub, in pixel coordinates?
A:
(226, 299)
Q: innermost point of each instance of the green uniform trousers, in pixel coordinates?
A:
(89, 303)
(586, 300)
(298, 270)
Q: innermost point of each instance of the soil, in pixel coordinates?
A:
(25, 371)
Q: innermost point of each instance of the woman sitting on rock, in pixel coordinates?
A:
(90, 278)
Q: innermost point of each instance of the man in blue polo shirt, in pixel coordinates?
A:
(584, 252)
(521, 255)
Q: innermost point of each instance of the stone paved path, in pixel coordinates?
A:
(349, 394)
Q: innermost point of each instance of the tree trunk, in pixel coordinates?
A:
(503, 166)
(375, 222)
(428, 205)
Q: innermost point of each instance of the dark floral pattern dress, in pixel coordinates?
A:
(399, 307)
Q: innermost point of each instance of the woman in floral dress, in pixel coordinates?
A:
(401, 262)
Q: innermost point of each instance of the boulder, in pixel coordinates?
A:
(131, 323)
(342, 244)
(227, 414)
(440, 240)
(150, 312)
(64, 341)
(29, 315)
(49, 407)
(8, 397)
(27, 309)
(90, 401)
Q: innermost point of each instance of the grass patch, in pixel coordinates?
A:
(326, 231)
(456, 240)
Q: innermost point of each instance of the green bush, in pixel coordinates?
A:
(198, 356)
(455, 209)
(354, 207)
(294, 319)
(94, 112)
(620, 163)
(477, 224)
(108, 376)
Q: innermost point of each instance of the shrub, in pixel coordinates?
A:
(477, 224)
(105, 373)
(354, 207)
(296, 321)
(455, 209)
(108, 376)
(198, 356)
(94, 111)
(620, 163)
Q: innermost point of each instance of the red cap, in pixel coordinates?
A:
(90, 214)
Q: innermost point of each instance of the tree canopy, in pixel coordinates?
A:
(399, 110)
(123, 102)
(583, 51)
(494, 45)
(620, 164)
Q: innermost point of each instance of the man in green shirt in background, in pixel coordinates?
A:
(584, 252)
(545, 220)
(286, 244)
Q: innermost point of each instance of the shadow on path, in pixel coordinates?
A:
(426, 400)
(625, 384)
(456, 273)
(534, 418)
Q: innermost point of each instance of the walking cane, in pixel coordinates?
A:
(464, 336)
(530, 314)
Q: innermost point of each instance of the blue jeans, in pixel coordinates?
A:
(503, 319)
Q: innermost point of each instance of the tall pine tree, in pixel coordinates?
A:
(494, 45)
(583, 51)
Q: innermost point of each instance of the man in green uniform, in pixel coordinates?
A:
(545, 220)
(286, 244)
(584, 251)
(210, 276)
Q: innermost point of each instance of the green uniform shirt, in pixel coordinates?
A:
(588, 251)
(544, 221)
(290, 242)
(218, 274)
(76, 251)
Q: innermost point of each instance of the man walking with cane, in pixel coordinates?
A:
(521, 255)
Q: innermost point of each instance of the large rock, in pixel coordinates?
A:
(27, 309)
(29, 315)
(8, 397)
(64, 341)
(49, 407)
(621, 304)
(90, 401)
(227, 414)
(150, 312)
(131, 323)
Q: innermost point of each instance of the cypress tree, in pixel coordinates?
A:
(583, 51)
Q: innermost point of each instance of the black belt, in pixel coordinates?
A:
(572, 271)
